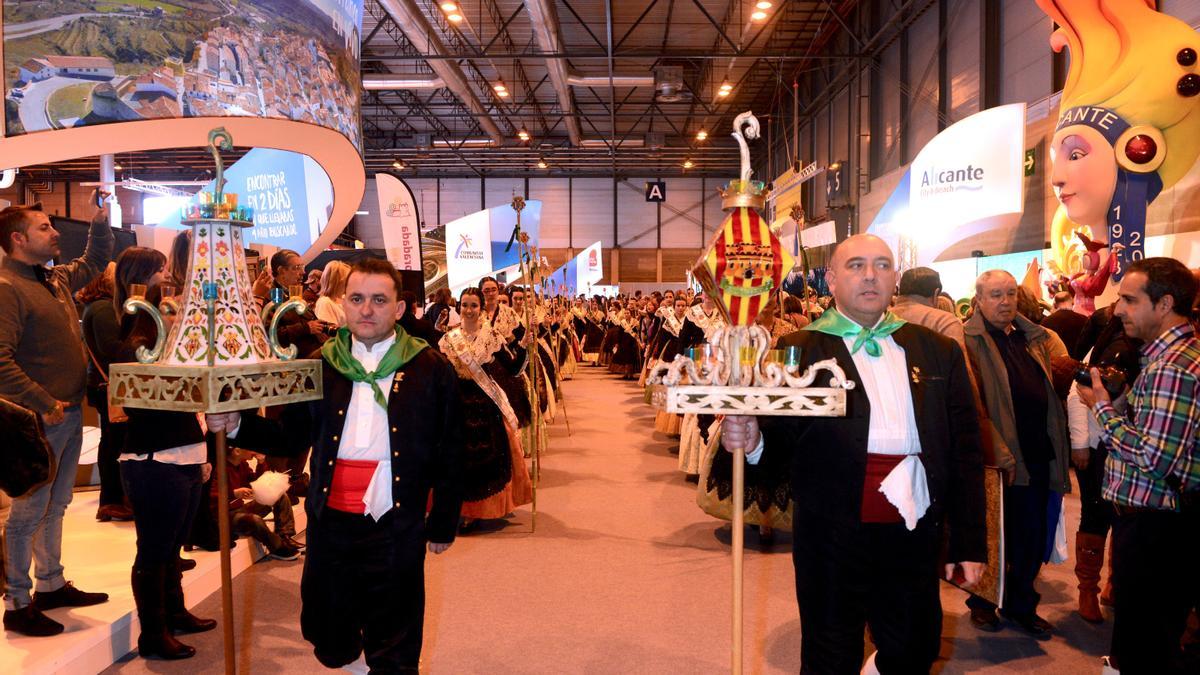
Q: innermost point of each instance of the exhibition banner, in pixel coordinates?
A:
(580, 274)
(478, 244)
(74, 64)
(968, 179)
(290, 194)
(400, 222)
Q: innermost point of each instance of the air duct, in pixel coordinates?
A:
(543, 17)
(419, 32)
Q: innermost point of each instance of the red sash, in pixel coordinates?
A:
(350, 480)
(875, 506)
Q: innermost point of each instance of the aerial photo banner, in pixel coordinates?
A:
(85, 78)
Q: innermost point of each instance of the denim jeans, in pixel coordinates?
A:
(34, 530)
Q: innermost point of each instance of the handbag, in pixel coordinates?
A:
(26, 459)
(116, 413)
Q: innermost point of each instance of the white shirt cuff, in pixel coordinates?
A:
(753, 457)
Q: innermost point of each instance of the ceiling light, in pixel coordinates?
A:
(687, 164)
(522, 134)
(542, 164)
(723, 93)
(502, 93)
(701, 135)
(398, 165)
(725, 86)
(500, 86)
(758, 16)
(116, 167)
(761, 5)
(454, 18)
(450, 6)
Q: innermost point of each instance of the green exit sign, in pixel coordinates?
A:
(1030, 161)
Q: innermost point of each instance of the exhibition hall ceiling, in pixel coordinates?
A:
(568, 87)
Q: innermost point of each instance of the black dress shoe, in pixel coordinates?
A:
(1034, 625)
(985, 619)
(67, 596)
(30, 621)
(186, 564)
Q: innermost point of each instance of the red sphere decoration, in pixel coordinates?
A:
(1141, 149)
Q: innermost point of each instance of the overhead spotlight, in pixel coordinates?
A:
(687, 164)
(117, 167)
(763, 4)
(725, 86)
(522, 134)
(701, 135)
(398, 165)
(500, 86)
(542, 164)
(454, 17)
(502, 93)
(451, 7)
(723, 93)
(758, 16)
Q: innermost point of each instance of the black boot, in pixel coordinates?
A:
(179, 619)
(155, 641)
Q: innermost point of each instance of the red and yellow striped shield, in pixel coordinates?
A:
(744, 265)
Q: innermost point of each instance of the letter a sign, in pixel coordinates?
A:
(656, 191)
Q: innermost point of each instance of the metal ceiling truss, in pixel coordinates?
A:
(584, 84)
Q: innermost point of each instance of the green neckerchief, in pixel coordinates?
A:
(834, 323)
(337, 353)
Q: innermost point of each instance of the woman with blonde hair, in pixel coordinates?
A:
(333, 287)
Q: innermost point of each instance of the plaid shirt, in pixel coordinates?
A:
(1154, 448)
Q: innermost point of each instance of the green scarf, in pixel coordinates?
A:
(337, 353)
(834, 323)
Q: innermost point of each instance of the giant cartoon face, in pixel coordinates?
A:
(1084, 174)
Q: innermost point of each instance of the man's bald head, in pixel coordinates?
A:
(862, 277)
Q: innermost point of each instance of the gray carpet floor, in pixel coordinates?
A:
(623, 574)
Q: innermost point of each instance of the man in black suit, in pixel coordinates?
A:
(873, 490)
(384, 436)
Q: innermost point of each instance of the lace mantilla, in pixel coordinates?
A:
(483, 346)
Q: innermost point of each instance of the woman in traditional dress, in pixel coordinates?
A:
(626, 360)
(697, 433)
(663, 349)
(768, 496)
(495, 478)
(592, 331)
(612, 333)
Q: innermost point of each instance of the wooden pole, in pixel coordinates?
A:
(736, 339)
(226, 567)
(738, 496)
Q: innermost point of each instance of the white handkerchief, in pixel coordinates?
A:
(378, 495)
(906, 488)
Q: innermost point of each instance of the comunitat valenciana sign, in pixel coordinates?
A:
(967, 179)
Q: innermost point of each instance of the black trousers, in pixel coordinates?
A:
(112, 439)
(1095, 513)
(1025, 532)
(164, 499)
(877, 575)
(363, 590)
(1156, 555)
